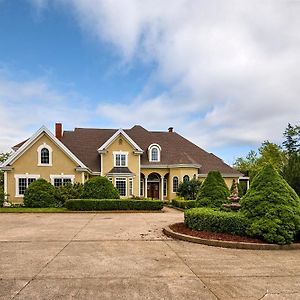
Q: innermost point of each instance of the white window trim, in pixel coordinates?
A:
(39, 149)
(61, 176)
(115, 156)
(27, 176)
(173, 183)
(126, 184)
(130, 181)
(150, 148)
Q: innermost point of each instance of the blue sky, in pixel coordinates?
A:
(223, 73)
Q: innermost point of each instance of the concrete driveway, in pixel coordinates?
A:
(126, 256)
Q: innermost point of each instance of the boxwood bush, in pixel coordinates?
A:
(209, 219)
(41, 193)
(69, 191)
(273, 208)
(213, 191)
(113, 204)
(99, 188)
(183, 203)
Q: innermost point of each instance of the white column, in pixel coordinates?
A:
(82, 177)
(248, 184)
(146, 183)
(5, 185)
(162, 188)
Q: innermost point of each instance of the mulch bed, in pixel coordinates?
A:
(181, 228)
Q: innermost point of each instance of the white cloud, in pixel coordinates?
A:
(233, 65)
(231, 68)
(26, 106)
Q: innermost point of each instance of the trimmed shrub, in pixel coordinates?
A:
(209, 219)
(68, 191)
(213, 191)
(41, 193)
(273, 208)
(113, 204)
(184, 203)
(2, 196)
(99, 188)
(189, 189)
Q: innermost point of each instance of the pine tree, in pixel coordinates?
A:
(273, 207)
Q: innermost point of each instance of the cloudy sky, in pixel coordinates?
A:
(225, 74)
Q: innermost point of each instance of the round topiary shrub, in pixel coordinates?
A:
(99, 188)
(213, 191)
(69, 191)
(273, 208)
(40, 193)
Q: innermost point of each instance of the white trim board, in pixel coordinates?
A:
(33, 138)
(126, 136)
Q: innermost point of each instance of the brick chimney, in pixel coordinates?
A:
(58, 130)
(170, 129)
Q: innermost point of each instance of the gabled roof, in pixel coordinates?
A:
(115, 135)
(26, 144)
(176, 150)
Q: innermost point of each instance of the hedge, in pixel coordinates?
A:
(113, 204)
(184, 203)
(209, 219)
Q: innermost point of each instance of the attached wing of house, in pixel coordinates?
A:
(137, 161)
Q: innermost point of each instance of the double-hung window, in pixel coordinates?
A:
(22, 183)
(120, 159)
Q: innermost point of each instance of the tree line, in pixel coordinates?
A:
(285, 158)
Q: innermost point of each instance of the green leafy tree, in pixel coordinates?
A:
(246, 165)
(69, 191)
(189, 189)
(273, 207)
(99, 187)
(3, 158)
(213, 191)
(41, 193)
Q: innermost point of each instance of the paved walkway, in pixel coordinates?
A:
(125, 256)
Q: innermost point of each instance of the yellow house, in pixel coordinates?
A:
(137, 161)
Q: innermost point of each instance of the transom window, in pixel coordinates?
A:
(121, 159)
(121, 185)
(175, 184)
(45, 158)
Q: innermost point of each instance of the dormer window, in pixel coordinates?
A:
(154, 153)
(44, 155)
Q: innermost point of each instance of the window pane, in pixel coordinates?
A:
(121, 186)
(67, 181)
(118, 160)
(165, 187)
(57, 181)
(123, 160)
(22, 185)
(130, 186)
(186, 178)
(142, 188)
(154, 154)
(44, 156)
(31, 180)
(175, 184)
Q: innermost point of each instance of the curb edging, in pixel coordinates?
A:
(227, 244)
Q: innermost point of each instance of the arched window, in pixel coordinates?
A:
(175, 184)
(154, 152)
(186, 178)
(44, 155)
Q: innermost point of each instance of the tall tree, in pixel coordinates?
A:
(292, 139)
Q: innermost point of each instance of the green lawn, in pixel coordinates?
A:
(33, 210)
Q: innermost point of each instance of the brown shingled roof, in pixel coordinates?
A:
(84, 142)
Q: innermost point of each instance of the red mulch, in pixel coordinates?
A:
(181, 228)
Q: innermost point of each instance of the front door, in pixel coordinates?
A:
(153, 190)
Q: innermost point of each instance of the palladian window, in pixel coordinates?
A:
(154, 153)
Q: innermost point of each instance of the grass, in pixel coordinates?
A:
(33, 210)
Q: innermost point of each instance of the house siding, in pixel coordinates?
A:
(28, 163)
